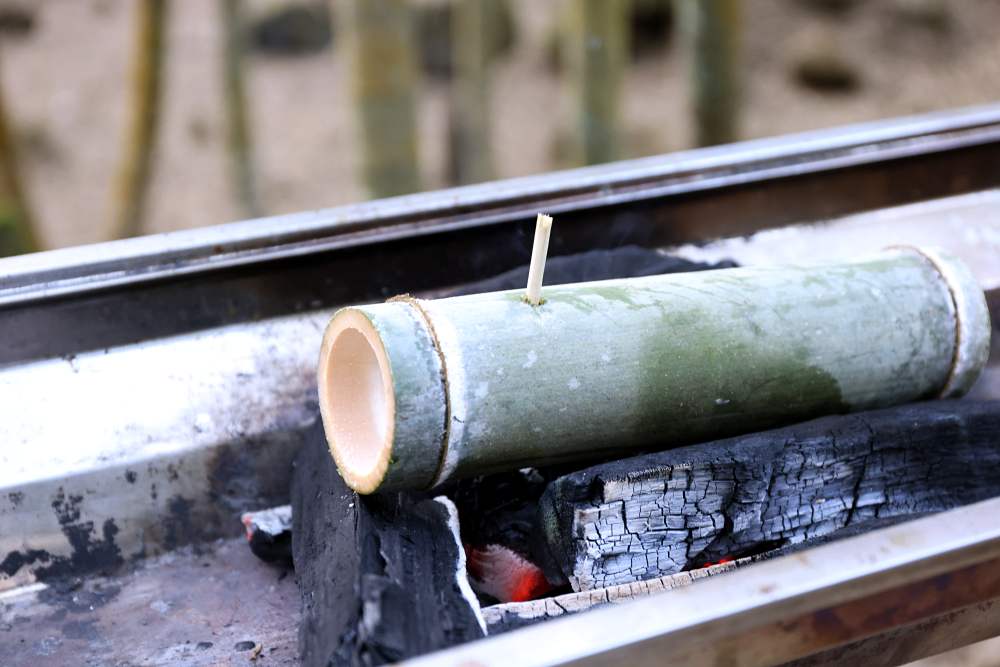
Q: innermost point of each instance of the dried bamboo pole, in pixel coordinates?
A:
(711, 30)
(596, 48)
(147, 85)
(414, 393)
(17, 227)
(237, 126)
(379, 38)
(470, 154)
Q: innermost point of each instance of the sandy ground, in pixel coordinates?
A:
(66, 82)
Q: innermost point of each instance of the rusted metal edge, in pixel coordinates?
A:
(100, 266)
(779, 610)
(929, 637)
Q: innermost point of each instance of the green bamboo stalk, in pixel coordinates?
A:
(711, 31)
(596, 49)
(18, 233)
(146, 93)
(379, 39)
(414, 393)
(470, 149)
(239, 140)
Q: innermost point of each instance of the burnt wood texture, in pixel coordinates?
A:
(513, 615)
(662, 513)
(377, 575)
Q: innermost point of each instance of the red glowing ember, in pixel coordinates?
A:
(505, 574)
(247, 520)
(724, 559)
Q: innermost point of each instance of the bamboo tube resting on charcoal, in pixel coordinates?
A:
(414, 392)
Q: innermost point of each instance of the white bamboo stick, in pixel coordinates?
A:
(539, 252)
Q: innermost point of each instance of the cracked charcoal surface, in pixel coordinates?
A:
(658, 514)
(509, 616)
(513, 615)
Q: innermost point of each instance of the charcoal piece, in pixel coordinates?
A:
(382, 577)
(509, 616)
(325, 551)
(662, 513)
(269, 533)
(623, 262)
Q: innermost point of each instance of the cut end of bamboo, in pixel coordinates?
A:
(539, 252)
(356, 400)
(973, 326)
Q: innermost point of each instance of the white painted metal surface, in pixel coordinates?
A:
(967, 226)
(140, 432)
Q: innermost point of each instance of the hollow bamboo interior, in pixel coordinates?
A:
(357, 401)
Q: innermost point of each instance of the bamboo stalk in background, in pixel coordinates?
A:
(711, 31)
(17, 228)
(237, 127)
(379, 39)
(470, 150)
(147, 85)
(596, 50)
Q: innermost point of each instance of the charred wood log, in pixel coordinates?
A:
(663, 513)
(269, 533)
(512, 615)
(382, 578)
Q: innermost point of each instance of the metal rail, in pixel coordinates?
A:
(96, 296)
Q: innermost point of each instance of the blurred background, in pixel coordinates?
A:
(128, 117)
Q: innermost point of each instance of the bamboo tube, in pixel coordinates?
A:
(470, 151)
(596, 45)
(237, 127)
(17, 227)
(379, 37)
(414, 393)
(711, 31)
(133, 180)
